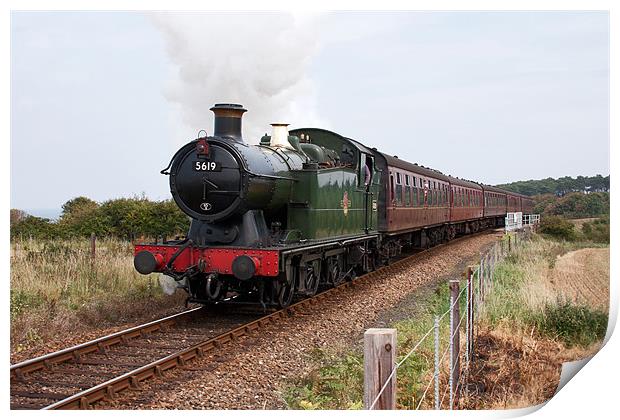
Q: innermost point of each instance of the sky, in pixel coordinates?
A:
(100, 101)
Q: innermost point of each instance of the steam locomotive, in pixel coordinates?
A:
(304, 209)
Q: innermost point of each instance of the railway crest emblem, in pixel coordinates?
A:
(345, 203)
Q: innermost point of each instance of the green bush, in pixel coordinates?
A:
(571, 323)
(22, 300)
(337, 384)
(35, 227)
(558, 228)
(597, 230)
(125, 218)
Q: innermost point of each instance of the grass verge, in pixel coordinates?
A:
(56, 286)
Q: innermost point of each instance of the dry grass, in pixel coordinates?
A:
(579, 222)
(56, 287)
(516, 369)
(538, 290)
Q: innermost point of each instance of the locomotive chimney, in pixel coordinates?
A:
(279, 136)
(228, 121)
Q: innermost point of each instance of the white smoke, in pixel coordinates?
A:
(257, 59)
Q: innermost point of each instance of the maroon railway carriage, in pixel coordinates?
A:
(466, 200)
(494, 202)
(513, 202)
(414, 205)
(527, 204)
(466, 205)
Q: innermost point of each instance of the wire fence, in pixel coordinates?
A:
(451, 364)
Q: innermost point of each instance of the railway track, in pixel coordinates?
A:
(80, 376)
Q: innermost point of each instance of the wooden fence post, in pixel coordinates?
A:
(93, 239)
(379, 361)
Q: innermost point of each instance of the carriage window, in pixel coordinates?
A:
(414, 181)
(399, 195)
(407, 180)
(407, 195)
(398, 180)
(392, 186)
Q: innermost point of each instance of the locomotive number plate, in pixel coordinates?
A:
(204, 166)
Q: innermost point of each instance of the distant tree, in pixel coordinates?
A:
(123, 218)
(34, 227)
(78, 206)
(17, 215)
(561, 186)
(166, 219)
(81, 217)
(573, 205)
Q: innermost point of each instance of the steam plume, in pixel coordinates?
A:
(257, 59)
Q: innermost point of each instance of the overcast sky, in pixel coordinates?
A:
(100, 101)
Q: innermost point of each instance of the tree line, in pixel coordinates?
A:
(560, 186)
(574, 205)
(126, 218)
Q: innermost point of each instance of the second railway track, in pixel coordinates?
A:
(77, 377)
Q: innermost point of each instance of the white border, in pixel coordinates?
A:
(591, 393)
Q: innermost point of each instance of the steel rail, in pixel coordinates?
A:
(97, 345)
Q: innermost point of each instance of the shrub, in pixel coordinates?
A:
(571, 323)
(597, 230)
(34, 227)
(558, 228)
(126, 218)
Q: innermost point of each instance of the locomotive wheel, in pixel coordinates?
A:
(285, 294)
